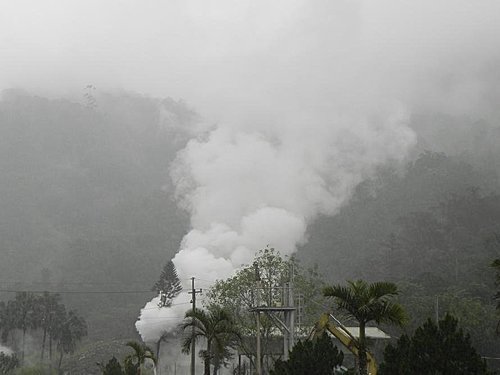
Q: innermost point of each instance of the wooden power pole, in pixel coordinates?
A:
(193, 341)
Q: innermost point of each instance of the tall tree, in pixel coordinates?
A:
(69, 333)
(49, 308)
(168, 284)
(367, 303)
(434, 349)
(24, 308)
(215, 326)
(7, 319)
(237, 295)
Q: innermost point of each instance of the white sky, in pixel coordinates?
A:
(258, 57)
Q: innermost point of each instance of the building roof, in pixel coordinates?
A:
(371, 332)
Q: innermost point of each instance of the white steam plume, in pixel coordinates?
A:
(249, 187)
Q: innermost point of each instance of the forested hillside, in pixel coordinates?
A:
(433, 227)
(86, 205)
(86, 202)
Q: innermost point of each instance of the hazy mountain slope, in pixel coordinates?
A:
(85, 194)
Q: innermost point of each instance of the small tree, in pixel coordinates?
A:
(168, 284)
(318, 357)
(434, 349)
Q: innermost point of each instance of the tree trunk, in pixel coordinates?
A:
(43, 343)
(207, 358)
(362, 350)
(61, 353)
(158, 344)
(24, 341)
(50, 347)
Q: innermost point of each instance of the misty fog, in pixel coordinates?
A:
(359, 136)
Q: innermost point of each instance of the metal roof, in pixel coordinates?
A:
(371, 332)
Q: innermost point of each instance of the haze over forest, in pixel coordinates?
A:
(361, 137)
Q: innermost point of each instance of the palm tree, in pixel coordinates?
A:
(138, 358)
(366, 303)
(163, 338)
(24, 310)
(218, 329)
(7, 319)
(72, 330)
(48, 309)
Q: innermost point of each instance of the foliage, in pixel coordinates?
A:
(29, 311)
(473, 314)
(169, 284)
(441, 349)
(366, 303)
(70, 331)
(496, 265)
(50, 314)
(136, 360)
(237, 294)
(217, 328)
(113, 367)
(432, 226)
(111, 197)
(8, 363)
(318, 357)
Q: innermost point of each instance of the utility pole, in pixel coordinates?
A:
(257, 302)
(193, 341)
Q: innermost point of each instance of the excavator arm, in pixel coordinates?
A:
(338, 330)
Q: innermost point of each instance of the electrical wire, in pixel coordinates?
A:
(77, 291)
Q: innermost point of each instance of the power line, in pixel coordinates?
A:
(77, 291)
(69, 282)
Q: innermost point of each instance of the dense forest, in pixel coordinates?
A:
(432, 227)
(87, 210)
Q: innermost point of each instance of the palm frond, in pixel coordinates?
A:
(382, 289)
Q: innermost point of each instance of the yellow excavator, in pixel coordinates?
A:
(337, 329)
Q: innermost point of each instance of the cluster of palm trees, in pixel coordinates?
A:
(219, 330)
(45, 314)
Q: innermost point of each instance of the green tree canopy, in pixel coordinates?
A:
(441, 349)
(312, 357)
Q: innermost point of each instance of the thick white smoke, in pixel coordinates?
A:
(247, 187)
